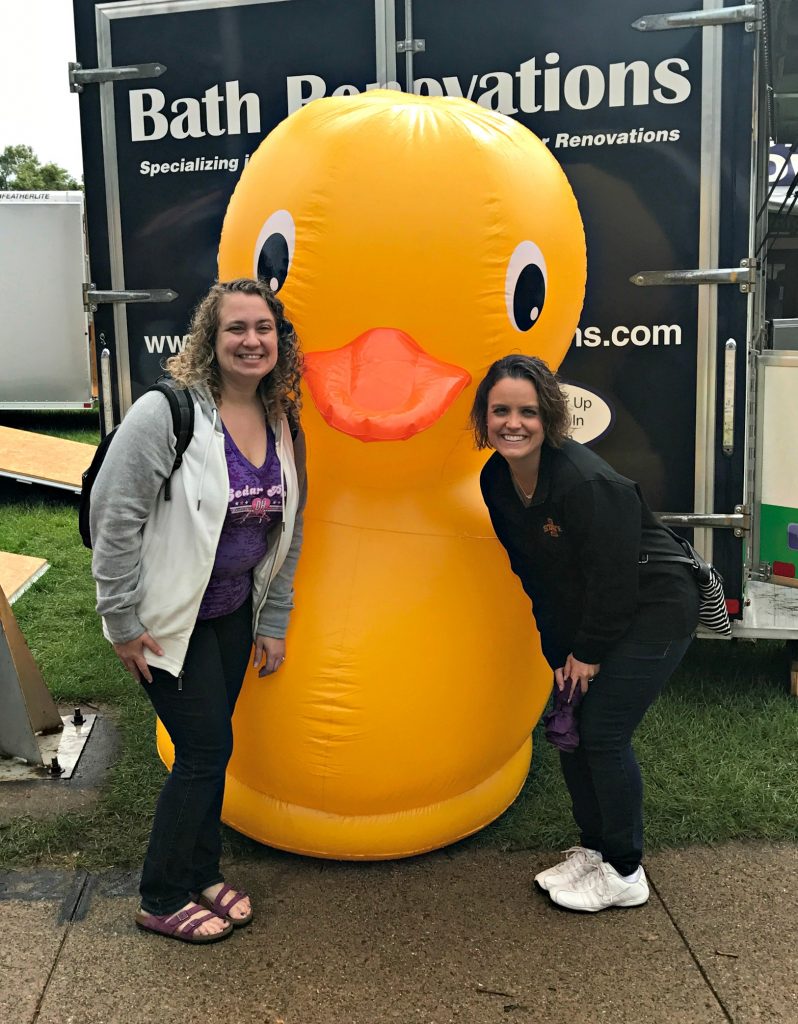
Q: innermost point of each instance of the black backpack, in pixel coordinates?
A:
(182, 406)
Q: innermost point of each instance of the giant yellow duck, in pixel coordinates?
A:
(413, 241)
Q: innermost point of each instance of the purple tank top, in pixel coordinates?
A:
(254, 505)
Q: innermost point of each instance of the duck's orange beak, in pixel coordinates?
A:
(382, 386)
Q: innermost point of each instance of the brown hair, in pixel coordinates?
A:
(196, 364)
(552, 400)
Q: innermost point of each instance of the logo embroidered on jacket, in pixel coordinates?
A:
(551, 528)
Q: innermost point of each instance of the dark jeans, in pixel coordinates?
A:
(602, 774)
(185, 844)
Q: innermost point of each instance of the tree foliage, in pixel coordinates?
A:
(21, 171)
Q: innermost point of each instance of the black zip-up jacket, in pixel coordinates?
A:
(576, 550)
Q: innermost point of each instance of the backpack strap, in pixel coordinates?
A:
(181, 405)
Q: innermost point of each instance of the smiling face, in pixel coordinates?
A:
(514, 426)
(246, 341)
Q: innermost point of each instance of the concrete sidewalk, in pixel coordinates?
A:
(452, 936)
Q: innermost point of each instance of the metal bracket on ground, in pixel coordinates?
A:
(60, 753)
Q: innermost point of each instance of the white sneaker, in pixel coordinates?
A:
(601, 888)
(578, 862)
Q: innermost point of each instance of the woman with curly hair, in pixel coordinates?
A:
(613, 623)
(194, 566)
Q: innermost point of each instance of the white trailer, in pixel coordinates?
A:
(44, 328)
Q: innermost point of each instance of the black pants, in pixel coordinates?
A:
(185, 844)
(602, 774)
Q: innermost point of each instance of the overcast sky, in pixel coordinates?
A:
(37, 41)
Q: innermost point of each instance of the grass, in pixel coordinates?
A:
(718, 749)
(58, 621)
(80, 425)
(718, 755)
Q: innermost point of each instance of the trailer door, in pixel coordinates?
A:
(656, 143)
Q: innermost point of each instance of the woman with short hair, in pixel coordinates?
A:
(612, 623)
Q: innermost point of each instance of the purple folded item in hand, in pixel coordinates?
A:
(561, 727)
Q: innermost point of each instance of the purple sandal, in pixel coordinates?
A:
(221, 909)
(170, 925)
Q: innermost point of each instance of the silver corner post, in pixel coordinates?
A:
(409, 50)
(408, 46)
(385, 24)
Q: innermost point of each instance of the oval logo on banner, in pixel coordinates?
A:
(591, 415)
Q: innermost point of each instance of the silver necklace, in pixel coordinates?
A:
(520, 489)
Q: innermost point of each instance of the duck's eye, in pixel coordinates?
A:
(525, 286)
(274, 249)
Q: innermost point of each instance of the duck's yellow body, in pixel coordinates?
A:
(401, 718)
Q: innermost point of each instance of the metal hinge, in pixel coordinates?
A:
(744, 276)
(78, 76)
(411, 45)
(751, 14)
(763, 573)
(93, 298)
(739, 521)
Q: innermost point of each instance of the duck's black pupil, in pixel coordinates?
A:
(530, 294)
(273, 260)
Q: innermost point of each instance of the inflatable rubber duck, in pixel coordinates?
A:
(413, 241)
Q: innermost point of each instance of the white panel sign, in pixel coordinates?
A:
(591, 415)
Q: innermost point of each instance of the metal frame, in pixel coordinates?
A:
(105, 14)
(707, 277)
(707, 326)
(708, 255)
(752, 475)
(385, 18)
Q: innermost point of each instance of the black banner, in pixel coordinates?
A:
(620, 110)
(182, 140)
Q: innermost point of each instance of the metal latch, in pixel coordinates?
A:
(744, 276)
(739, 521)
(729, 377)
(763, 573)
(93, 298)
(80, 76)
(411, 45)
(751, 14)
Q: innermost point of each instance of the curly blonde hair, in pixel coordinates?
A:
(196, 364)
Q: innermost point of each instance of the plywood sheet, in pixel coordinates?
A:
(18, 572)
(38, 458)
